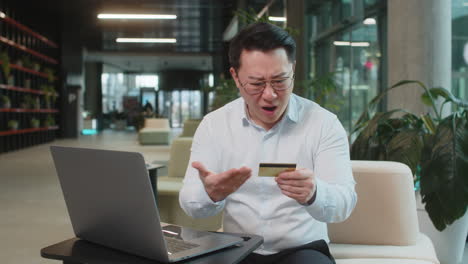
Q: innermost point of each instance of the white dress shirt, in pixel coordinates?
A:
(307, 135)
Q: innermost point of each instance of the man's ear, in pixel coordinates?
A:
(234, 76)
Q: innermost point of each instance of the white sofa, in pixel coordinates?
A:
(383, 228)
(155, 131)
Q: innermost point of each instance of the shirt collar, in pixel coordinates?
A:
(292, 111)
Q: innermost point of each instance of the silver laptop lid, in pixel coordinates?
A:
(108, 200)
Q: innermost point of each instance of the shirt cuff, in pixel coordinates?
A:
(321, 201)
(205, 199)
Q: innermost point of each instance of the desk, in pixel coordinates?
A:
(153, 175)
(77, 251)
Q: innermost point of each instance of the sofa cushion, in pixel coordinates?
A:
(180, 156)
(162, 123)
(422, 249)
(385, 212)
(190, 126)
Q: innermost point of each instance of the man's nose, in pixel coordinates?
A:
(269, 92)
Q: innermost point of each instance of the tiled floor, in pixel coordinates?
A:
(32, 211)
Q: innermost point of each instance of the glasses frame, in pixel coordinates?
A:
(265, 85)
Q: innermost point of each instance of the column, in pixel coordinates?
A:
(419, 48)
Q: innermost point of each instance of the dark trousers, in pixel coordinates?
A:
(316, 252)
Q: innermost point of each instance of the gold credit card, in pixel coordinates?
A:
(273, 169)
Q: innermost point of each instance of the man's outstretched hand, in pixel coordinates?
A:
(219, 186)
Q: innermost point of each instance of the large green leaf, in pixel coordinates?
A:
(444, 164)
(437, 92)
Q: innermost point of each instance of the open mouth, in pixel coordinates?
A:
(269, 108)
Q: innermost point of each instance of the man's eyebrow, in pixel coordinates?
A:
(282, 74)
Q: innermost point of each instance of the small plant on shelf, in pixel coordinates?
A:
(13, 124)
(6, 68)
(27, 102)
(50, 74)
(27, 62)
(36, 103)
(35, 123)
(5, 101)
(36, 66)
(50, 121)
(49, 95)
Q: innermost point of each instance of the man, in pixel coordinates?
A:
(269, 124)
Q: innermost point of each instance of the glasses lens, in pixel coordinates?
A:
(282, 84)
(255, 88)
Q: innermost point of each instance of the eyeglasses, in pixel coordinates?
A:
(258, 87)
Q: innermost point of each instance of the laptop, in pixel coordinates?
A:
(110, 202)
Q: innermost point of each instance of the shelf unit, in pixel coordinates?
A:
(31, 87)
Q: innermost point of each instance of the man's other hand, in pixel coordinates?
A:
(299, 185)
(219, 186)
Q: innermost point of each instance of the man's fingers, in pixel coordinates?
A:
(294, 190)
(300, 174)
(201, 168)
(295, 183)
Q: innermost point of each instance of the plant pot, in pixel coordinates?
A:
(450, 243)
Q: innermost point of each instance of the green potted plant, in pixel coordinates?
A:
(224, 92)
(35, 122)
(5, 100)
(27, 102)
(49, 121)
(13, 124)
(324, 91)
(6, 68)
(50, 74)
(435, 147)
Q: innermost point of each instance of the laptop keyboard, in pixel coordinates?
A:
(177, 245)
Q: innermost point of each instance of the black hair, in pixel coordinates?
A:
(260, 36)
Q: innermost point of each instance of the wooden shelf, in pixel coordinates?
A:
(28, 50)
(24, 90)
(21, 68)
(24, 28)
(27, 130)
(22, 110)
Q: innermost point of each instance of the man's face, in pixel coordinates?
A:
(265, 108)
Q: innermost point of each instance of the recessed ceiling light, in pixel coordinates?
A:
(146, 40)
(278, 19)
(2, 15)
(136, 16)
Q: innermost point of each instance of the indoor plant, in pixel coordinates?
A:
(13, 124)
(35, 123)
(6, 68)
(433, 146)
(5, 101)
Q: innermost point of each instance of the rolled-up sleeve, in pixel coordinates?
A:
(192, 197)
(336, 196)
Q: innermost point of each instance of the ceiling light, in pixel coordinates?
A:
(352, 44)
(278, 19)
(360, 44)
(2, 15)
(369, 21)
(146, 40)
(341, 43)
(135, 16)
